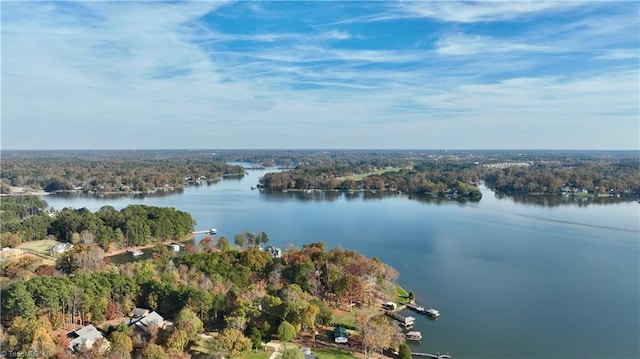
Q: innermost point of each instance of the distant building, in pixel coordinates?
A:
(274, 251)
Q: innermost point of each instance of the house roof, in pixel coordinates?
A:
(147, 321)
(340, 332)
(139, 312)
(86, 335)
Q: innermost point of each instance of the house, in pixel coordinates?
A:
(340, 335)
(274, 251)
(389, 306)
(146, 320)
(61, 248)
(85, 337)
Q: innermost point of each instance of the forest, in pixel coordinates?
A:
(28, 218)
(240, 292)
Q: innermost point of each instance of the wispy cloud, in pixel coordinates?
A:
(154, 74)
(482, 11)
(462, 44)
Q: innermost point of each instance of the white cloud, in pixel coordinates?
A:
(140, 75)
(619, 54)
(462, 44)
(481, 11)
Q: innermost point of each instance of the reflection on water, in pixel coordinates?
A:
(558, 200)
(332, 196)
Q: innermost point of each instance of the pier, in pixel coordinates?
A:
(429, 312)
(430, 355)
(208, 231)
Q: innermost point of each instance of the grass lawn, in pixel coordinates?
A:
(40, 249)
(260, 354)
(332, 353)
(403, 296)
(360, 176)
(41, 246)
(349, 318)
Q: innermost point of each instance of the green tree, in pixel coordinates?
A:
(178, 340)
(234, 341)
(189, 322)
(256, 338)
(121, 345)
(286, 331)
(404, 352)
(18, 302)
(292, 353)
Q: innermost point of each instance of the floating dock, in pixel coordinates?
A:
(433, 313)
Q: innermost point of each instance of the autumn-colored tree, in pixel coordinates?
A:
(121, 345)
(234, 341)
(153, 351)
(377, 335)
(178, 340)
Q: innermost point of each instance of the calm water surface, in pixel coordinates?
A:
(511, 279)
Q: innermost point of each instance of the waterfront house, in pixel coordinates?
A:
(390, 306)
(274, 251)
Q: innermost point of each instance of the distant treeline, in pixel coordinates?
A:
(417, 171)
(24, 219)
(443, 175)
(108, 173)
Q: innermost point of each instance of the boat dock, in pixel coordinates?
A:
(417, 308)
(433, 313)
(406, 321)
(433, 356)
(208, 231)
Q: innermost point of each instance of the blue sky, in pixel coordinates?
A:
(320, 74)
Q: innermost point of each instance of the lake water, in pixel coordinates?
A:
(512, 279)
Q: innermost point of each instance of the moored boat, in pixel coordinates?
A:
(432, 313)
(414, 335)
(136, 252)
